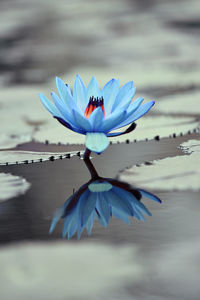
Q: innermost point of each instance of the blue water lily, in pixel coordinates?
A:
(101, 199)
(96, 112)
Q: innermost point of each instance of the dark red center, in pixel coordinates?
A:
(94, 103)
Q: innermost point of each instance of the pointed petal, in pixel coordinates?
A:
(81, 121)
(58, 214)
(64, 91)
(80, 206)
(72, 228)
(90, 223)
(100, 219)
(143, 208)
(131, 200)
(66, 96)
(110, 91)
(128, 130)
(134, 106)
(69, 126)
(125, 101)
(150, 196)
(120, 215)
(103, 206)
(112, 121)
(131, 109)
(142, 110)
(71, 221)
(96, 119)
(79, 93)
(67, 115)
(49, 106)
(79, 232)
(70, 213)
(136, 204)
(66, 225)
(138, 215)
(122, 95)
(93, 89)
(119, 203)
(62, 87)
(87, 202)
(87, 206)
(96, 141)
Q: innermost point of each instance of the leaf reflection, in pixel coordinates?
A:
(100, 198)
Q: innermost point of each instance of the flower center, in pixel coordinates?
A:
(94, 103)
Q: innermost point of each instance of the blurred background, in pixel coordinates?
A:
(154, 42)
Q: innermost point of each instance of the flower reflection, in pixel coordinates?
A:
(101, 198)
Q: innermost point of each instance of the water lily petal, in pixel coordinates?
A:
(72, 228)
(58, 214)
(128, 130)
(142, 110)
(64, 92)
(66, 96)
(143, 208)
(79, 232)
(81, 121)
(123, 194)
(96, 141)
(123, 95)
(136, 212)
(87, 205)
(126, 100)
(132, 200)
(90, 223)
(93, 89)
(112, 121)
(120, 215)
(66, 225)
(49, 106)
(119, 203)
(134, 106)
(110, 91)
(96, 119)
(79, 210)
(79, 93)
(150, 196)
(99, 218)
(103, 206)
(138, 215)
(136, 205)
(69, 126)
(67, 115)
